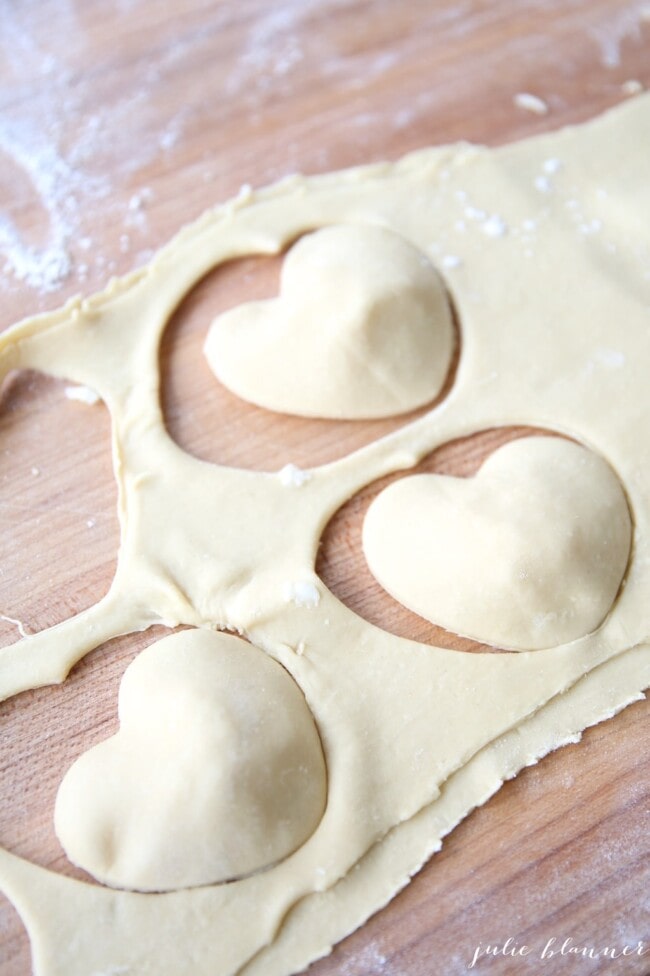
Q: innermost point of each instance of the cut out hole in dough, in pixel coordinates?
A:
(528, 554)
(250, 436)
(217, 770)
(362, 328)
(73, 506)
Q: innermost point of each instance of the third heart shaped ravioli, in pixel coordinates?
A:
(362, 328)
(529, 553)
(216, 772)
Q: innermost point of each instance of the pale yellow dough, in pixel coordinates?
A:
(552, 293)
(217, 770)
(529, 553)
(362, 328)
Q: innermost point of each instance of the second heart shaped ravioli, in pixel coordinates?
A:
(529, 553)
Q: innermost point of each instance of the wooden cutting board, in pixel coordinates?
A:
(119, 123)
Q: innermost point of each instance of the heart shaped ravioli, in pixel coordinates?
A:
(362, 328)
(217, 770)
(530, 553)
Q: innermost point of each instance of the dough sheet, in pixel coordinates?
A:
(551, 289)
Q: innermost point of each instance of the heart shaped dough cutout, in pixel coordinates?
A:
(217, 770)
(362, 328)
(528, 554)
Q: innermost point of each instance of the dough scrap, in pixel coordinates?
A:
(217, 770)
(362, 328)
(527, 554)
(553, 333)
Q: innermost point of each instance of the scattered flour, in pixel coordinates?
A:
(632, 87)
(82, 394)
(474, 213)
(136, 215)
(530, 103)
(54, 181)
(494, 226)
(293, 477)
(623, 24)
(302, 593)
(552, 166)
(368, 961)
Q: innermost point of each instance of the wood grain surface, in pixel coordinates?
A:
(121, 122)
